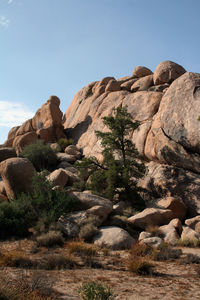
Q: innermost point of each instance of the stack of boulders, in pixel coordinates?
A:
(167, 105)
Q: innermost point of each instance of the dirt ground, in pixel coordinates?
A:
(171, 280)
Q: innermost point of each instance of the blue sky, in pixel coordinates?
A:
(55, 47)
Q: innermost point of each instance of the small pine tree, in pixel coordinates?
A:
(121, 167)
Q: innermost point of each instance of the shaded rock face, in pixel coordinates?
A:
(45, 125)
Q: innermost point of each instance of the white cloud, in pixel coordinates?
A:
(4, 22)
(13, 114)
(10, 1)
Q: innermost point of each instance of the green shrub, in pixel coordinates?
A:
(63, 143)
(28, 210)
(41, 156)
(95, 291)
(193, 243)
(50, 239)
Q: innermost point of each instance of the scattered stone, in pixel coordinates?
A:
(189, 234)
(142, 84)
(144, 235)
(192, 221)
(152, 241)
(62, 157)
(55, 147)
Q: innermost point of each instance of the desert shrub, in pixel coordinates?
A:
(140, 266)
(88, 231)
(140, 250)
(63, 143)
(193, 243)
(190, 259)
(56, 261)
(15, 259)
(95, 290)
(29, 210)
(41, 156)
(50, 239)
(166, 252)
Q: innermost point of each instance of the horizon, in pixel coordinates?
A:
(52, 48)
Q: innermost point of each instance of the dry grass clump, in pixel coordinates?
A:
(56, 261)
(22, 289)
(165, 252)
(88, 231)
(140, 250)
(82, 249)
(190, 259)
(51, 261)
(50, 239)
(15, 259)
(154, 230)
(193, 243)
(140, 266)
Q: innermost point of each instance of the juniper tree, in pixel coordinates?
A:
(118, 173)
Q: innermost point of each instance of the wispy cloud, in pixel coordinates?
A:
(13, 114)
(4, 22)
(10, 1)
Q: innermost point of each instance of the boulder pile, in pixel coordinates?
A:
(166, 102)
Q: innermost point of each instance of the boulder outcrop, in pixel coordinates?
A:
(45, 125)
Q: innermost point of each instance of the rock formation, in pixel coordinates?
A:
(45, 125)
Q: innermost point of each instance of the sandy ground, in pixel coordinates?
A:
(172, 280)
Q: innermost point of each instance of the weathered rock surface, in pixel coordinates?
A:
(192, 221)
(166, 72)
(114, 238)
(164, 181)
(189, 234)
(151, 217)
(71, 223)
(90, 200)
(17, 174)
(142, 84)
(6, 153)
(170, 231)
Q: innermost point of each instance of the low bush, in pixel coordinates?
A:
(88, 231)
(41, 156)
(50, 239)
(30, 210)
(56, 261)
(15, 259)
(95, 290)
(140, 250)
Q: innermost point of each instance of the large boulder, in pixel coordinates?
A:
(89, 201)
(70, 224)
(151, 217)
(58, 177)
(166, 72)
(141, 71)
(171, 231)
(114, 238)
(176, 205)
(6, 152)
(17, 174)
(23, 140)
